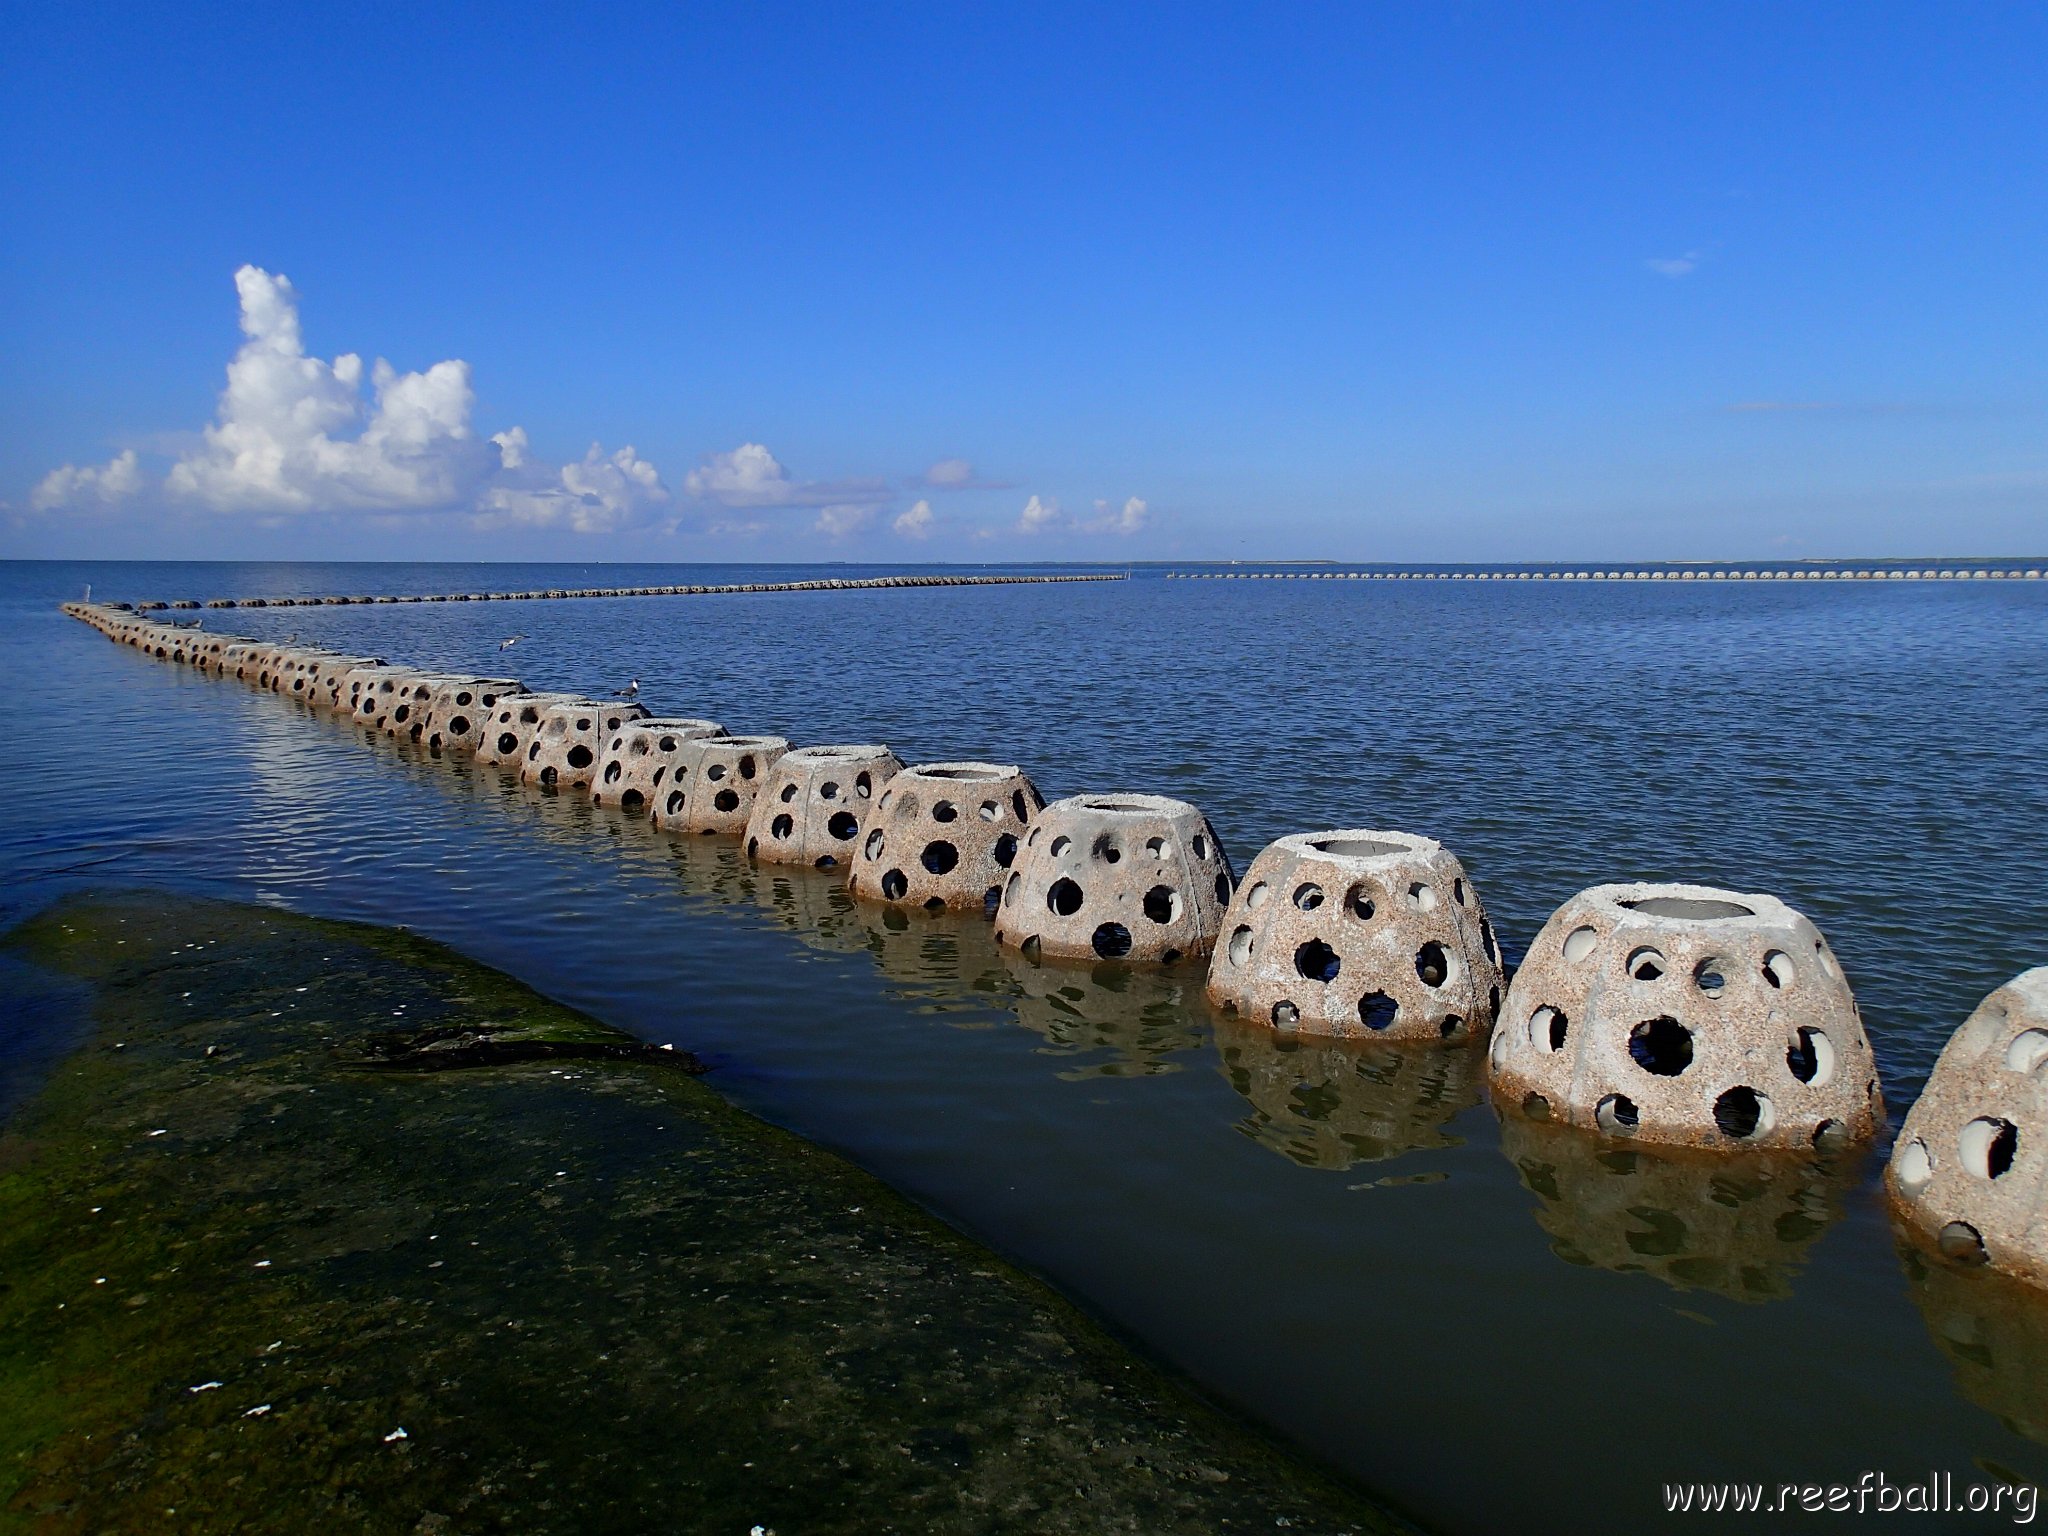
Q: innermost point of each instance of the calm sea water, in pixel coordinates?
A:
(1494, 1329)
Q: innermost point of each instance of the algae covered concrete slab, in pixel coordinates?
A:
(253, 1278)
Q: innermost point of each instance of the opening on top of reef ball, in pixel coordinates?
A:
(1316, 961)
(1661, 1046)
(1111, 940)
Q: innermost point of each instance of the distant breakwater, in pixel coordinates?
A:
(1640, 573)
(828, 584)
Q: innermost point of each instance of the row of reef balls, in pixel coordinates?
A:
(1684, 1015)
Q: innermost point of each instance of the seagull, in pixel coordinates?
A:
(506, 645)
(88, 591)
(630, 691)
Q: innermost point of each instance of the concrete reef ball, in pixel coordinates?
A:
(815, 802)
(459, 711)
(374, 692)
(1688, 1015)
(636, 760)
(513, 725)
(1364, 934)
(1969, 1173)
(713, 783)
(408, 712)
(945, 835)
(1132, 877)
(562, 752)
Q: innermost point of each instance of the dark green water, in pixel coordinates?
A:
(1514, 1332)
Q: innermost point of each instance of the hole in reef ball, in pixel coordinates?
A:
(1778, 968)
(1450, 1026)
(1661, 1046)
(1616, 1113)
(894, 884)
(844, 825)
(1535, 1106)
(1162, 904)
(1422, 897)
(1962, 1244)
(1308, 896)
(1358, 901)
(1064, 897)
(1547, 1029)
(1316, 961)
(939, 857)
(1914, 1167)
(944, 810)
(828, 790)
(1987, 1146)
(715, 772)
(1105, 849)
(1200, 846)
(788, 793)
(1711, 977)
(1811, 1056)
(1060, 845)
(1377, 1011)
(1240, 945)
(726, 800)
(990, 810)
(1222, 890)
(2028, 1050)
(1646, 964)
(782, 825)
(1111, 940)
(1156, 846)
(1005, 849)
(875, 841)
(1432, 964)
(747, 767)
(1285, 1015)
(1579, 943)
(1255, 898)
(1742, 1113)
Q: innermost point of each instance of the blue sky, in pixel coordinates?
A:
(1370, 282)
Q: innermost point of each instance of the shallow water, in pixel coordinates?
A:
(1493, 1329)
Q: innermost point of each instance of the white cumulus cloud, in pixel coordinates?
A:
(88, 486)
(751, 476)
(294, 434)
(916, 523)
(1129, 518)
(1040, 515)
(949, 474)
(840, 521)
(281, 440)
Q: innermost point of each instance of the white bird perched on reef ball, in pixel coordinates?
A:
(506, 645)
(630, 691)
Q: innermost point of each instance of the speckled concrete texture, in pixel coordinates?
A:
(946, 834)
(1136, 877)
(1361, 934)
(1689, 1015)
(1969, 1173)
(815, 802)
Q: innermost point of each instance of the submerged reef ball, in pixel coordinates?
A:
(945, 835)
(459, 711)
(1364, 934)
(714, 782)
(562, 752)
(1969, 1173)
(1115, 877)
(815, 802)
(513, 726)
(1686, 1014)
(634, 765)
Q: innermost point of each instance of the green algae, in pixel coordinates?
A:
(247, 1285)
